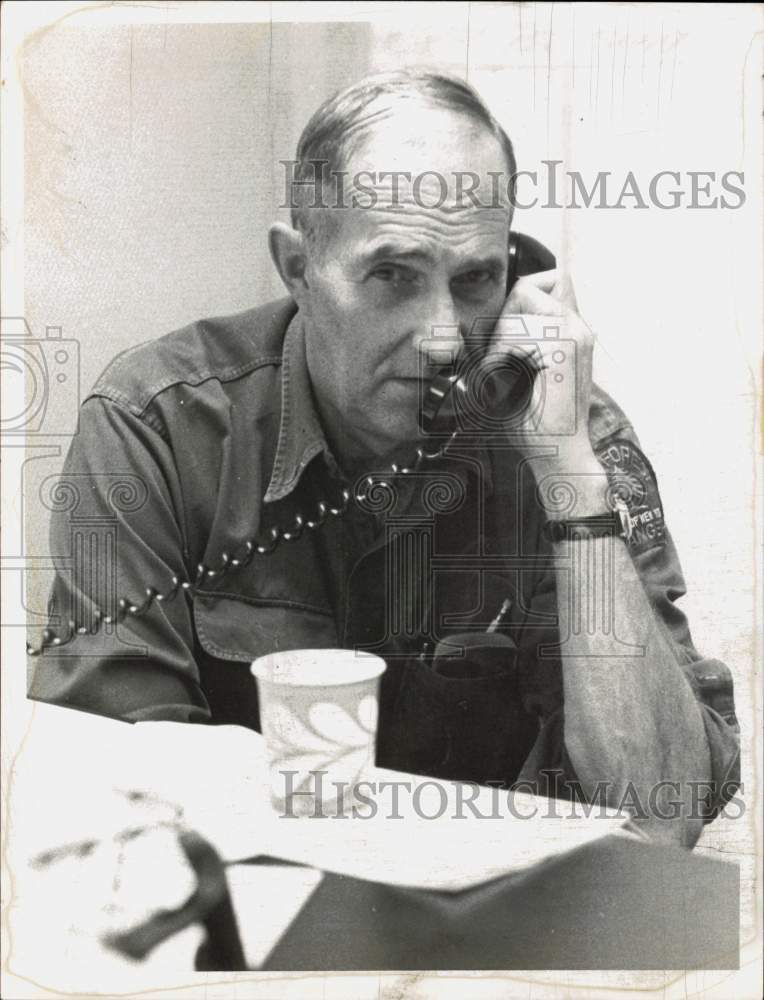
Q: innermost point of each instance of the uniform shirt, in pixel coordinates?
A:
(196, 448)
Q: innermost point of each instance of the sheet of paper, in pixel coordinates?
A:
(423, 833)
(426, 834)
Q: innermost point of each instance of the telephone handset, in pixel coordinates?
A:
(526, 256)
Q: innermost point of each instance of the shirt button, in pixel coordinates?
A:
(464, 706)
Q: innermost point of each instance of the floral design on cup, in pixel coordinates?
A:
(319, 712)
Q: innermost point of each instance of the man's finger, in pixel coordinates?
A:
(526, 297)
(545, 280)
(554, 282)
(564, 292)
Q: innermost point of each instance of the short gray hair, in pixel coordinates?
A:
(333, 131)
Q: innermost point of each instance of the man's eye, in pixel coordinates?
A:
(394, 274)
(474, 278)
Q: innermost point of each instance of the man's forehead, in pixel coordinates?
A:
(454, 194)
(441, 151)
(418, 131)
(411, 229)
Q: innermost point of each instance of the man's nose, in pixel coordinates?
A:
(441, 339)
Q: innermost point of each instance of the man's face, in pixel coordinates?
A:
(382, 279)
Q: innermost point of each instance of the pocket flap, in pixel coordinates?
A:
(242, 630)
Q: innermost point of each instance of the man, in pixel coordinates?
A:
(282, 495)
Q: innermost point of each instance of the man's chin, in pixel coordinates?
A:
(397, 447)
(403, 450)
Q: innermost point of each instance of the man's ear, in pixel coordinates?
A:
(289, 254)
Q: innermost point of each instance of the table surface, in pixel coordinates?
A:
(515, 893)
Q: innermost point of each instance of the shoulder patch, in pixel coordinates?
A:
(632, 478)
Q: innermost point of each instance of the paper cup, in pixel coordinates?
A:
(318, 712)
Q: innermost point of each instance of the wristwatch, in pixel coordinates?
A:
(615, 523)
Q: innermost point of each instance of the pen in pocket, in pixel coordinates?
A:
(499, 619)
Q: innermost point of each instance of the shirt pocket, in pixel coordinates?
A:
(241, 629)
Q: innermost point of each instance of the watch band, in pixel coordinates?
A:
(614, 523)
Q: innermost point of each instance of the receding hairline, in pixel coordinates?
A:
(337, 128)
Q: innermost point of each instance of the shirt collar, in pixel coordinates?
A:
(301, 436)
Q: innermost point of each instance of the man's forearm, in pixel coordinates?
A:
(631, 717)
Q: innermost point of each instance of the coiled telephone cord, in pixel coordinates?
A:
(126, 607)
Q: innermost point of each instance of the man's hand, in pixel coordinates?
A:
(631, 719)
(553, 348)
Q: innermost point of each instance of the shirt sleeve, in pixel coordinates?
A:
(657, 563)
(116, 530)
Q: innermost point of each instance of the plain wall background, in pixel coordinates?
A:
(152, 174)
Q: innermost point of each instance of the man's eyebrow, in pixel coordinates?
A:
(400, 251)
